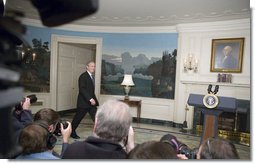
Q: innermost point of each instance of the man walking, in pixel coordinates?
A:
(87, 101)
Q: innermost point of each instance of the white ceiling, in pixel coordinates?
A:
(139, 13)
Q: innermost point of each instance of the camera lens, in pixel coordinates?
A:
(189, 153)
(65, 124)
(57, 131)
(32, 98)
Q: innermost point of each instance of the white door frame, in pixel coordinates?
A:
(54, 62)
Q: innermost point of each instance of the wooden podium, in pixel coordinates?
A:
(210, 126)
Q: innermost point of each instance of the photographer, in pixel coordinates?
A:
(182, 150)
(211, 148)
(21, 116)
(217, 148)
(54, 124)
(152, 150)
(36, 141)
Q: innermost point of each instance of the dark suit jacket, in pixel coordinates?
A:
(86, 91)
(20, 121)
(94, 148)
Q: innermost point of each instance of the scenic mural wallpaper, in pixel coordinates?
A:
(35, 75)
(150, 58)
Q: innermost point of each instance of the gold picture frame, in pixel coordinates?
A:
(227, 55)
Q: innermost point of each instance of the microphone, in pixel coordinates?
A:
(216, 89)
(209, 89)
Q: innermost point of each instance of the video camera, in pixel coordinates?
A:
(32, 98)
(52, 13)
(180, 148)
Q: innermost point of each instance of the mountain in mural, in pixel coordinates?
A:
(116, 60)
(129, 63)
(153, 77)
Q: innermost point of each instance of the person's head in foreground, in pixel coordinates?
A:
(217, 148)
(153, 150)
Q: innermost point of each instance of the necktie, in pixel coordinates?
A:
(92, 77)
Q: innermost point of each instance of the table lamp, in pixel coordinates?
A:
(127, 83)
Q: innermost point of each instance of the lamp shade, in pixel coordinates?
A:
(128, 80)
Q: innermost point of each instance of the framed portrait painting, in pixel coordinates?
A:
(227, 55)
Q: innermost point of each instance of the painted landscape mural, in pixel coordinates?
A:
(35, 75)
(152, 65)
(149, 57)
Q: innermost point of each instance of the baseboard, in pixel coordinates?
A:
(158, 122)
(142, 120)
(64, 112)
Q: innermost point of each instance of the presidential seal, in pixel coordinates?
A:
(210, 100)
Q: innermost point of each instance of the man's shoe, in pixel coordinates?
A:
(75, 136)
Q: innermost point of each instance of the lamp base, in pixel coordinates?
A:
(127, 89)
(126, 97)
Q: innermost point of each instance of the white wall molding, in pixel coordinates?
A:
(32, 22)
(189, 27)
(55, 39)
(105, 29)
(238, 24)
(216, 83)
(160, 109)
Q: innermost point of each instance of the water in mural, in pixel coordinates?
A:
(153, 77)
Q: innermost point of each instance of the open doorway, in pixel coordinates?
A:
(70, 56)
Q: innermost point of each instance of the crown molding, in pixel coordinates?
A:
(239, 24)
(104, 29)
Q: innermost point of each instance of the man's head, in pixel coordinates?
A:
(48, 115)
(113, 120)
(91, 66)
(227, 50)
(217, 148)
(35, 138)
(153, 150)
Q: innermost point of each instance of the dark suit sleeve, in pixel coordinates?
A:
(18, 124)
(25, 117)
(64, 146)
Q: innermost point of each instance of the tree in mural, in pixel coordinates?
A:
(152, 78)
(163, 72)
(35, 75)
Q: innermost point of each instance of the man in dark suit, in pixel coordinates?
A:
(87, 101)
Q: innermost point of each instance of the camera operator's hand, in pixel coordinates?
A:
(131, 139)
(66, 132)
(26, 104)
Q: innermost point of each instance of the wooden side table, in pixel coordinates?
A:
(137, 104)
